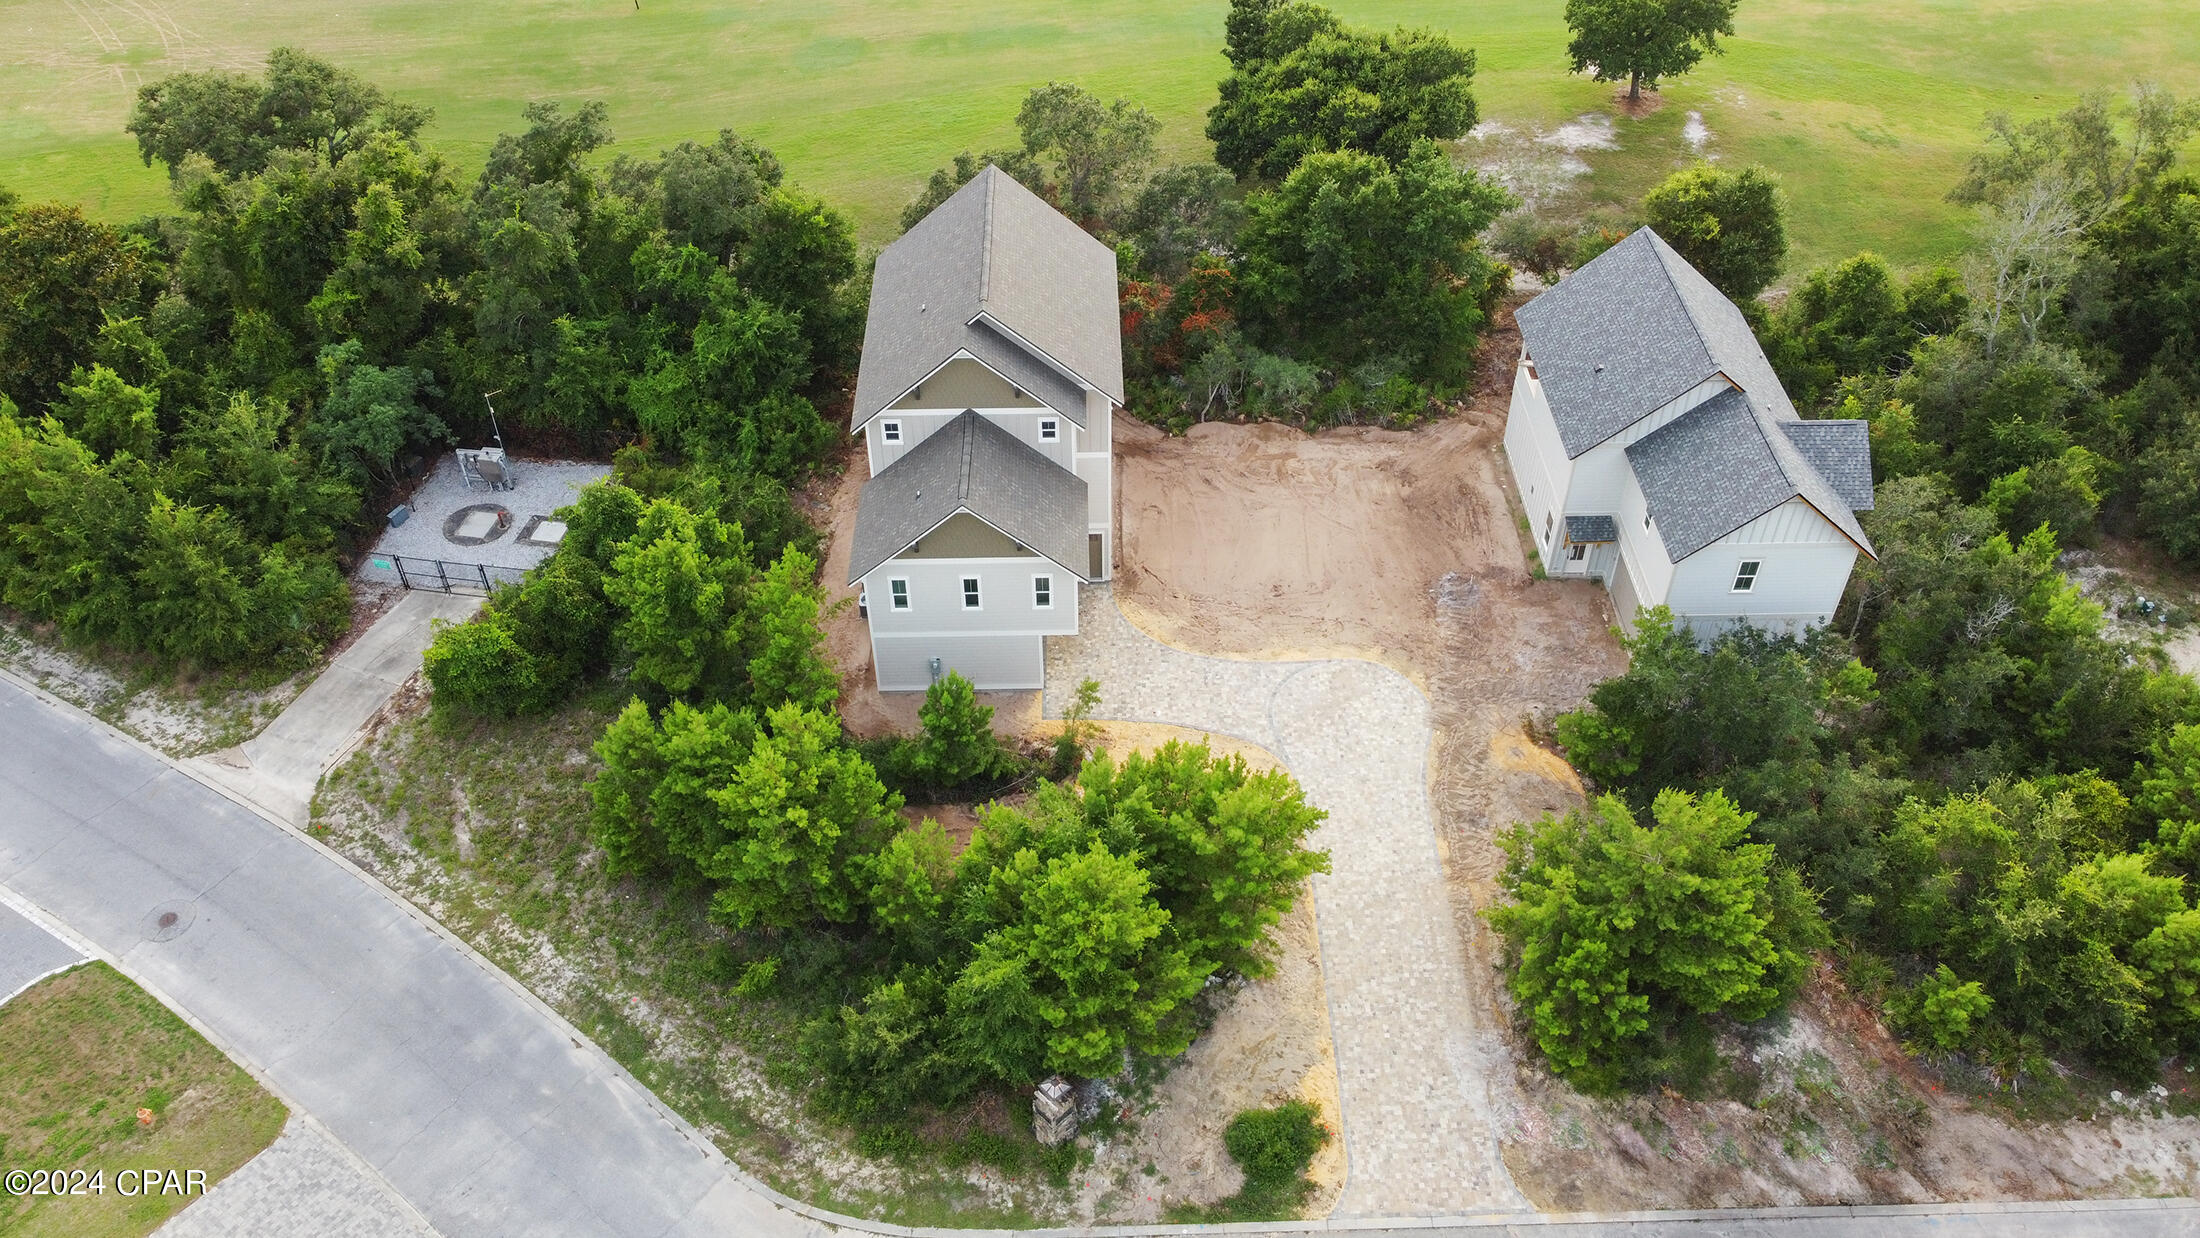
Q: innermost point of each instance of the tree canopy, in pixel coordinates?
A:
(1302, 82)
(1642, 42)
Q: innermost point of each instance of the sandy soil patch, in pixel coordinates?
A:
(181, 716)
(1269, 1044)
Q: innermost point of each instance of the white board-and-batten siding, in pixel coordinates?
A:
(1803, 566)
(1539, 466)
(991, 663)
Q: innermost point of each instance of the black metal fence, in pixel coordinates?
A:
(445, 576)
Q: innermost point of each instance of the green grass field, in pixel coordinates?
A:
(1866, 108)
(81, 1054)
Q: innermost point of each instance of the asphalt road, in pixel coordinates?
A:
(477, 1104)
(473, 1101)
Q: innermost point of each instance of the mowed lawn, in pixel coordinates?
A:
(1866, 108)
(81, 1054)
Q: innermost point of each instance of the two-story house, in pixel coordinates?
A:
(1655, 450)
(992, 368)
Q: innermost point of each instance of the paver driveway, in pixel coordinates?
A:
(1412, 1058)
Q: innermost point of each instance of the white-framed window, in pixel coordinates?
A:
(1042, 593)
(1577, 552)
(898, 590)
(889, 431)
(1049, 429)
(1745, 576)
(1646, 520)
(970, 593)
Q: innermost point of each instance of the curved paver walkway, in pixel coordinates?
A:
(1412, 1059)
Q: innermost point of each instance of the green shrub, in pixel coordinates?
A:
(1275, 1146)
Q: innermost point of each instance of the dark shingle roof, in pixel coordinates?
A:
(1721, 465)
(1841, 451)
(992, 260)
(1589, 530)
(1631, 331)
(971, 465)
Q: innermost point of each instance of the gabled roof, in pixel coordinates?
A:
(996, 272)
(971, 465)
(1841, 451)
(1632, 330)
(1724, 463)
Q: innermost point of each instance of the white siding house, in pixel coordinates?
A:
(992, 369)
(1655, 451)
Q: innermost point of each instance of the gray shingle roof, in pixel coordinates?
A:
(991, 265)
(1589, 530)
(1632, 330)
(1841, 451)
(1721, 465)
(971, 465)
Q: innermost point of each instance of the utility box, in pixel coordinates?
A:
(400, 514)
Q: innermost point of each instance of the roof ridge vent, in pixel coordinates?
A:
(992, 174)
(969, 450)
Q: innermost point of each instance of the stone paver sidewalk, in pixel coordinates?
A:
(302, 1186)
(1412, 1058)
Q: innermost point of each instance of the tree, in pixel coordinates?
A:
(1730, 226)
(1616, 927)
(61, 275)
(234, 456)
(956, 744)
(2098, 151)
(2170, 960)
(1641, 41)
(797, 812)
(653, 802)
(301, 103)
(1300, 82)
(1098, 152)
(1223, 845)
(1688, 716)
(1185, 210)
(680, 583)
(1353, 259)
(788, 662)
(706, 196)
(481, 668)
(1078, 970)
(371, 416)
(109, 415)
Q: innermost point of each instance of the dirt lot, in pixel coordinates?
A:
(1402, 547)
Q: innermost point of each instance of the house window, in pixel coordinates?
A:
(970, 593)
(1646, 520)
(1049, 429)
(890, 431)
(1577, 552)
(1042, 593)
(1745, 576)
(898, 590)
